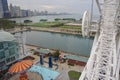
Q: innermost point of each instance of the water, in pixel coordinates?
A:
(65, 42)
(49, 17)
(46, 73)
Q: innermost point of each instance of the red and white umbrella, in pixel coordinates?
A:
(21, 66)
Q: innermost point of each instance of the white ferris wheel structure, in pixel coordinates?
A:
(104, 61)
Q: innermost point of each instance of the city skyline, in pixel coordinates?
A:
(72, 6)
(16, 11)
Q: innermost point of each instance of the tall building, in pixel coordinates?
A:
(4, 12)
(1, 9)
(12, 12)
(9, 49)
(15, 11)
(24, 13)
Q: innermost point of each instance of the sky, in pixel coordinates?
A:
(69, 6)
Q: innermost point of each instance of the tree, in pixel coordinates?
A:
(56, 54)
(69, 19)
(57, 19)
(7, 24)
(27, 21)
(80, 19)
(43, 20)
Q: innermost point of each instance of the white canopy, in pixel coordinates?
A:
(6, 36)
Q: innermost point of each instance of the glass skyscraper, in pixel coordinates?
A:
(4, 11)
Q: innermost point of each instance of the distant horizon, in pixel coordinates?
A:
(71, 7)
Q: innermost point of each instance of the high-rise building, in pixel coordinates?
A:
(24, 13)
(4, 11)
(15, 11)
(1, 9)
(12, 12)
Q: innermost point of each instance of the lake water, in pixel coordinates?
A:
(50, 17)
(65, 42)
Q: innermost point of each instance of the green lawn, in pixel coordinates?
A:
(54, 25)
(74, 75)
(47, 24)
(70, 27)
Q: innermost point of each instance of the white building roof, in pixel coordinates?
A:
(5, 36)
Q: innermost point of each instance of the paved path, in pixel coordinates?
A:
(64, 69)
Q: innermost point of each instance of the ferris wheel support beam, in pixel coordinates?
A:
(103, 63)
(98, 4)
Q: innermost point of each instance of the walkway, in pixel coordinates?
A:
(64, 68)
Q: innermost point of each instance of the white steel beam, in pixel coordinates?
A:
(103, 63)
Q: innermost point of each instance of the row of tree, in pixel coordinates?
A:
(59, 19)
(65, 19)
(56, 19)
(8, 24)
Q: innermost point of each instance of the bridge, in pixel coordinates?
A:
(104, 61)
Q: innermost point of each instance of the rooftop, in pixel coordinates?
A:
(82, 59)
(43, 51)
(5, 36)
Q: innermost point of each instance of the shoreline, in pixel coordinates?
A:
(64, 52)
(57, 32)
(52, 30)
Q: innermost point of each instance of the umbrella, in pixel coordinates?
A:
(21, 66)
